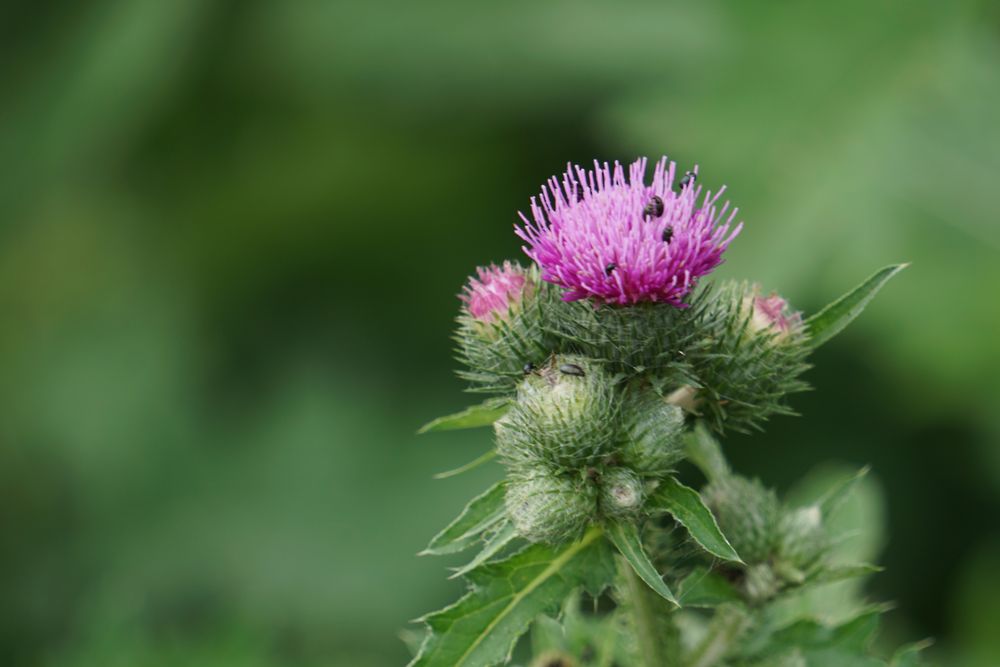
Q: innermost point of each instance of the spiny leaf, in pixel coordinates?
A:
(704, 451)
(703, 588)
(473, 416)
(475, 463)
(481, 629)
(832, 319)
(686, 506)
(482, 512)
(503, 536)
(625, 536)
(835, 497)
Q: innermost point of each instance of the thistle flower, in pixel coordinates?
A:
(495, 292)
(771, 314)
(599, 235)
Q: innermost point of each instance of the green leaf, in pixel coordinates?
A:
(832, 319)
(835, 497)
(481, 629)
(685, 504)
(703, 588)
(704, 451)
(475, 463)
(473, 416)
(833, 573)
(909, 655)
(625, 536)
(503, 536)
(483, 511)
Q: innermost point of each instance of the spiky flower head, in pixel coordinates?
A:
(496, 291)
(548, 507)
(621, 493)
(616, 240)
(771, 314)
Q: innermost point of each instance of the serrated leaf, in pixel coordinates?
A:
(475, 463)
(703, 588)
(703, 450)
(832, 319)
(835, 497)
(909, 655)
(473, 416)
(504, 535)
(686, 506)
(625, 536)
(854, 636)
(481, 629)
(483, 511)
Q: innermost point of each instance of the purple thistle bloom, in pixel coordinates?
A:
(620, 241)
(495, 292)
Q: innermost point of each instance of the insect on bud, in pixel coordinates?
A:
(566, 414)
(551, 508)
(621, 493)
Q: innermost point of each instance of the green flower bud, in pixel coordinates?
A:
(653, 430)
(761, 583)
(566, 415)
(621, 493)
(550, 508)
(801, 537)
(747, 513)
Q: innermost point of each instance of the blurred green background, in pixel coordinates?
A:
(232, 235)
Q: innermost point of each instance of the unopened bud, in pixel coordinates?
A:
(550, 508)
(771, 315)
(566, 415)
(496, 293)
(747, 513)
(801, 537)
(621, 493)
(653, 434)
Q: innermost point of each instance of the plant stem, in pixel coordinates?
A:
(726, 627)
(640, 605)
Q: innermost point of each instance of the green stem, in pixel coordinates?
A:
(726, 627)
(640, 605)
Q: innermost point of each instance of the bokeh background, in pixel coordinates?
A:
(231, 235)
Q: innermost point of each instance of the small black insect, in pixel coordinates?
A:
(529, 368)
(654, 209)
(668, 233)
(609, 268)
(688, 178)
(571, 369)
(579, 192)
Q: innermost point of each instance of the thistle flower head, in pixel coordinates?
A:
(495, 291)
(616, 240)
(772, 314)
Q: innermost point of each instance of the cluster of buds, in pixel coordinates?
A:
(578, 449)
(780, 545)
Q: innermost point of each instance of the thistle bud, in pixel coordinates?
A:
(500, 326)
(747, 514)
(621, 493)
(801, 537)
(565, 415)
(653, 431)
(771, 315)
(551, 508)
(761, 583)
(496, 294)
